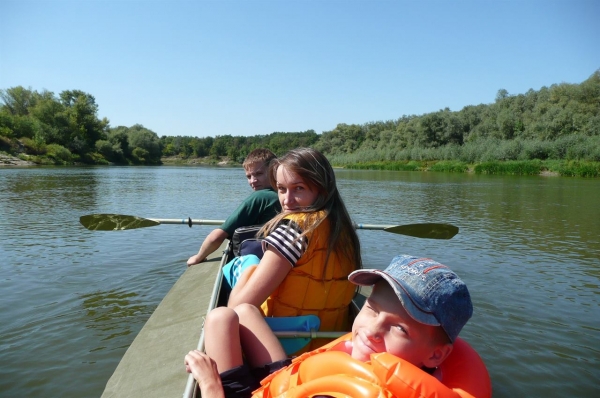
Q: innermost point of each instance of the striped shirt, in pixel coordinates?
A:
(284, 239)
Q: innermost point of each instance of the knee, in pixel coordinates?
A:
(222, 317)
(246, 310)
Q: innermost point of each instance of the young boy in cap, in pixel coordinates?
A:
(415, 312)
(258, 208)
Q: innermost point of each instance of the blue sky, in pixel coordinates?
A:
(208, 68)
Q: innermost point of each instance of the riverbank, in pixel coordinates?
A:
(544, 168)
(563, 168)
(202, 161)
(9, 160)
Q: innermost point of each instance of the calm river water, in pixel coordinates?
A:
(72, 300)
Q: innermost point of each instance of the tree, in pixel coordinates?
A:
(145, 144)
(219, 146)
(18, 100)
(501, 94)
(84, 128)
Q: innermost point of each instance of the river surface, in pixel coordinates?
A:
(72, 300)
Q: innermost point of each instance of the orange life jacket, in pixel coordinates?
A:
(326, 371)
(306, 291)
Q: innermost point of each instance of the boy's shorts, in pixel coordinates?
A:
(241, 381)
(233, 269)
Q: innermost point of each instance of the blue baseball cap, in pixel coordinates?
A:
(430, 292)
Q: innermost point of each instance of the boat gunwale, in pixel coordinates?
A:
(191, 385)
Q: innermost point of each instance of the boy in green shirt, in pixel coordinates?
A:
(258, 208)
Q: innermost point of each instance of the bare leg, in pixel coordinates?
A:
(243, 279)
(222, 338)
(258, 342)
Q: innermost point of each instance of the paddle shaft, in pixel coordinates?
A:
(189, 222)
(371, 226)
(118, 222)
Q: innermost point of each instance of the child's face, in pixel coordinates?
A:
(383, 325)
(294, 194)
(257, 176)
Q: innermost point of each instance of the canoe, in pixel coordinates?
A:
(153, 365)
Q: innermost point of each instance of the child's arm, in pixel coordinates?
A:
(256, 286)
(211, 243)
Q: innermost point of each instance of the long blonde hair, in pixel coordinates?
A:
(316, 171)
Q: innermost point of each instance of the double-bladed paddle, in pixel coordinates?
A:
(119, 222)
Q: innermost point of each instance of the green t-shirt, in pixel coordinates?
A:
(256, 209)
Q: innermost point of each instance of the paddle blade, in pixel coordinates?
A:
(425, 230)
(114, 222)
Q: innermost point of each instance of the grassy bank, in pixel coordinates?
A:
(525, 167)
(54, 155)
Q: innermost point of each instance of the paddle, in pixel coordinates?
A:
(119, 222)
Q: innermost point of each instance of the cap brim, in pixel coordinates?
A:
(368, 277)
(365, 277)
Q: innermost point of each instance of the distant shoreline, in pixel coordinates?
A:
(7, 160)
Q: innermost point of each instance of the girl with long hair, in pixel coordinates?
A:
(310, 248)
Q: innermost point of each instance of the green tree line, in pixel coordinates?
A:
(234, 147)
(65, 129)
(560, 122)
(557, 122)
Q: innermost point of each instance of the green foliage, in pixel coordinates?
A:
(343, 139)
(147, 147)
(395, 166)
(7, 144)
(235, 148)
(69, 120)
(121, 143)
(450, 166)
(556, 123)
(32, 146)
(529, 167)
(59, 153)
(140, 155)
(105, 149)
(18, 100)
(579, 169)
(91, 158)
(7, 125)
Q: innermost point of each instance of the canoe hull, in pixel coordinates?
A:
(153, 364)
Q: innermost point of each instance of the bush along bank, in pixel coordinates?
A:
(525, 167)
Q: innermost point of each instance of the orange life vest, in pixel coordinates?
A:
(306, 291)
(326, 371)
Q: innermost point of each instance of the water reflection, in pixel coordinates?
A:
(34, 188)
(114, 313)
